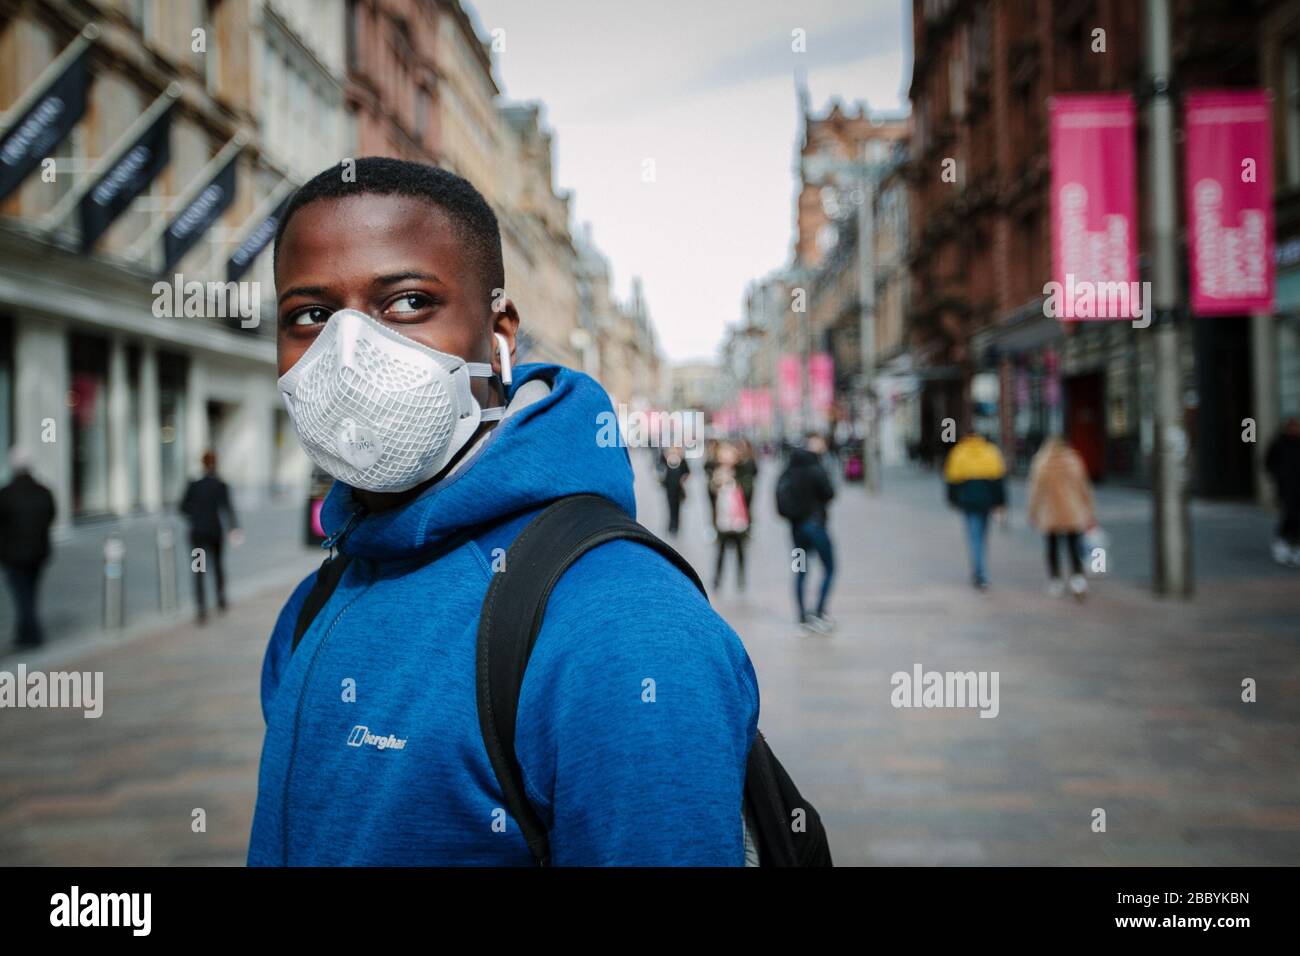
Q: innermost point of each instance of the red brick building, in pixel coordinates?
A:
(391, 77)
(984, 71)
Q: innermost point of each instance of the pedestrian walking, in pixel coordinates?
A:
(747, 474)
(711, 447)
(803, 496)
(975, 477)
(730, 515)
(27, 511)
(205, 504)
(1061, 508)
(673, 472)
(1282, 461)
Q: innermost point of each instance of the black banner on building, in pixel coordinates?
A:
(44, 124)
(195, 219)
(257, 240)
(125, 180)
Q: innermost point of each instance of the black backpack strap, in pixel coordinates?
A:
(770, 797)
(327, 579)
(512, 616)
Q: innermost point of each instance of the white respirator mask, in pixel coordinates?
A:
(379, 411)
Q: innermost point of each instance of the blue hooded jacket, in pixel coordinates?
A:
(373, 754)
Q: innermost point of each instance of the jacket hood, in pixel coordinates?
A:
(974, 459)
(545, 450)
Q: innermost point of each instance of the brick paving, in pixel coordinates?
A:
(1128, 703)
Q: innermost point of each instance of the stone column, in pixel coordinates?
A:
(150, 431)
(42, 420)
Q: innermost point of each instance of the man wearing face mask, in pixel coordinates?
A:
(638, 706)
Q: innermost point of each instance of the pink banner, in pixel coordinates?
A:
(1094, 208)
(1229, 180)
(745, 408)
(821, 382)
(763, 408)
(789, 378)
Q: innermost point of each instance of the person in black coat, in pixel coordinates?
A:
(803, 496)
(673, 472)
(206, 500)
(1282, 460)
(26, 513)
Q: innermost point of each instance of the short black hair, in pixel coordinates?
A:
(464, 205)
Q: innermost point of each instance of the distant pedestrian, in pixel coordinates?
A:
(747, 473)
(206, 502)
(26, 513)
(673, 472)
(711, 462)
(975, 476)
(1282, 460)
(803, 494)
(1061, 506)
(730, 514)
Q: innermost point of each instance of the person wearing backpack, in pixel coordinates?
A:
(496, 665)
(803, 494)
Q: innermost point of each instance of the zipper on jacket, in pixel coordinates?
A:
(337, 537)
(330, 543)
(297, 716)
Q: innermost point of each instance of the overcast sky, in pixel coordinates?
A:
(705, 89)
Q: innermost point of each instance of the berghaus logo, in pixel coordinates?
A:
(362, 737)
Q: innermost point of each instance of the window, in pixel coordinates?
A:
(1291, 103)
(351, 35)
(421, 113)
(211, 59)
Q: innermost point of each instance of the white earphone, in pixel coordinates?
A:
(503, 349)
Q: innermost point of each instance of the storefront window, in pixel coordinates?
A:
(171, 431)
(6, 390)
(1288, 367)
(133, 432)
(87, 400)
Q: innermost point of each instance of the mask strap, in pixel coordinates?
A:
(484, 370)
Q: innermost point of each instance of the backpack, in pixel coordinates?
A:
(511, 618)
(791, 502)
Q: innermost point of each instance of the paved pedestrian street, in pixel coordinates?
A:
(1126, 703)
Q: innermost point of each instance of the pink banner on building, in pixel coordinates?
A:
(821, 382)
(1094, 208)
(1229, 178)
(789, 381)
(724, 420)
(745, 408)
(754, 408)
(762, 408)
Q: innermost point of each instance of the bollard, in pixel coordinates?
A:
(166, 570)
(114, 599)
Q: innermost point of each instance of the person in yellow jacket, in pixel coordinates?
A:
(975, 476)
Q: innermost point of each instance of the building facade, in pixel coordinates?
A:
(116, 394)
(987, 354)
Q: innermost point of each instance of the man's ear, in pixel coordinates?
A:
(505, 322)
